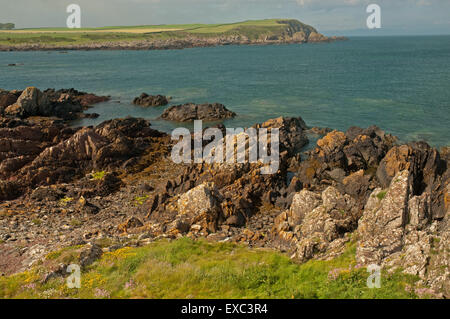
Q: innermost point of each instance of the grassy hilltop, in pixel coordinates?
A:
(250, 31)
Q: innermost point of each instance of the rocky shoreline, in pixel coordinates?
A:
(115, 185)
(170, 44)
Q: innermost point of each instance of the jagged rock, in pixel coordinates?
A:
(292, 133)
(129, 127)
(150, 100)
(83, 146)
(40, 158)
(201, 205)
(190, 112)
(381, 227)
(427, 170)
(419, 158)
(338, 152)
(314, 222)
(82, 98)
(397, 230)
(356, 185)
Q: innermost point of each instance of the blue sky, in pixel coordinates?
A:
(341, 17)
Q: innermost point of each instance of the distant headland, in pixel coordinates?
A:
(158, 37)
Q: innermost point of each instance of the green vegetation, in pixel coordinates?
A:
(382, 195)
(7, 26)
(64, 36)
(98, 175)
(64, 201)
(198, 269)
(75, 222)
(140, 200)
(63, 255)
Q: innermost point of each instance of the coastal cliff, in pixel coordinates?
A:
(260, 32)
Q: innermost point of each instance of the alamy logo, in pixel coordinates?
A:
(374, 20)
(374, 280)
(74, 280)
(238, 146)
(74, 19)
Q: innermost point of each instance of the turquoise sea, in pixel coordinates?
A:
(401, 84)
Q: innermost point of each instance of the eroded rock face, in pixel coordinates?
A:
(382, 226)
(21, 141)
(397, 230)
(316, 223)
(146, 100)
(347, 161)
(426, 167)
(190, 112)
(351, 151)
(45, 155)
(200, 205)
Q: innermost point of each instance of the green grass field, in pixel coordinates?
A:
(64, 36)
(198, 269)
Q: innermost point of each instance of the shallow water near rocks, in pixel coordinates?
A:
(401, 84)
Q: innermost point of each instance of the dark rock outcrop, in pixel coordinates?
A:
(190, 112)
(242, 187)
(146, 100)
(339, 154)
(65, 104)
(426, 168)
(54, 153)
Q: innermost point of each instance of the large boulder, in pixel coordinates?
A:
(201, 206)
(316, 224)
(190, 112)
(28, 104)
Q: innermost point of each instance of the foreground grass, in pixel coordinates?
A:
(198, 269)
